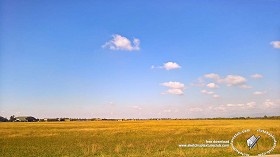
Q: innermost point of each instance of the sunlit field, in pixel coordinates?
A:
(130, 138)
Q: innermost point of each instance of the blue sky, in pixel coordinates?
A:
(140, 59)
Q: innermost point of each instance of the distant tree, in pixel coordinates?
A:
(265, 117)
(12, 118)
(32, 119)
(2, 119)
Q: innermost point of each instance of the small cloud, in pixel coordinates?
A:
(171, 84)
(176, 88)
(167, 66)
(156, 67)
(259, 92)
(251, 104)
(212, 76)
(122, 43)
(234, 105)
(198, 83)
(275, 44)
(171, 65)
(220, 108)
(174, 91)
(233, 80)
(207, 92)
(195, 109)
(244, 86)
(268, 103)
(212, 85)
(243, 106)
(272, 103)
(216, 96)
(257, 76)
(229, 80)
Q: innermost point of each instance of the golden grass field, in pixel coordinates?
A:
(130, 138)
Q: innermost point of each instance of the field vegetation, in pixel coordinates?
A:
(129, 138)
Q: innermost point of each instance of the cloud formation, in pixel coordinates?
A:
(257, 76)
(259, 92)
(212, 85)
(230, 107)
(229, 80)
(233, 80)
(122, 43)
(214, 95)
(206, 92)
(269, 103)
(176, 88)
(167, 66)
(242, 106)
(171, 65)
(244, 86)
(275, 44)
(212, 76)
(195, 109)
(174, 91)
(171, 84)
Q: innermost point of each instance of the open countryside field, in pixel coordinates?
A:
(129, 138)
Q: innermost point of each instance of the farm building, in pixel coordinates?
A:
(51, 119)
(25, 119)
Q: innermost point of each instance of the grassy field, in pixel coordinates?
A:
(130, 138)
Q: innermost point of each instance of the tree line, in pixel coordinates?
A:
(32, 119)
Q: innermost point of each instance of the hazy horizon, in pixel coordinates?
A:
(140, 59)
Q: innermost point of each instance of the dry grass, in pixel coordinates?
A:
(128, 138)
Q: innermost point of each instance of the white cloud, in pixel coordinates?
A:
(171, 84)
(122, 43)
(256, 76)
(174, 91)
(251, 104)
(234, 105)
(212, 76)
(198, 83)
(216, 96)
(233, 80)
(176, 88)
(206, 92)
(269, 103)
(171, 65)
(219, 108)
(229, 80)
(167, 66)
(195, 109)
(275, 44)
(212, 85)
(259, 92)
(242, 106)
(244, 86)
